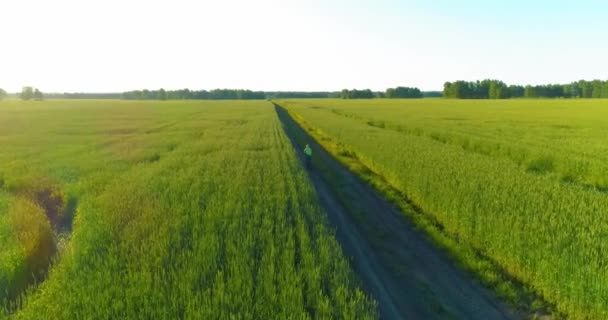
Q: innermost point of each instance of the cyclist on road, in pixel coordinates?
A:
(307, 156)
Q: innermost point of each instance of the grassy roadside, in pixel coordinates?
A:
(483, 268)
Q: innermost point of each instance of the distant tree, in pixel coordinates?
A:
(27, 93)
(186, 94)
(604, 93)
(516, 91)
(575, 90)
(403, 92)
(503, 91)
(459, 89)
(162, 94)
(37, 95)
(432, 94)
(481, 89)
(3, 94)
(345, 94)
(83, 95)
(567, 91)
(493, 91)
(596, 86)
(297, 94)
(357, 94)
(449, 90)
(249, 95)
(530, 92)
(586, 89)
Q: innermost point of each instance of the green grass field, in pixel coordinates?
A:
(525, 182)
(162, 210)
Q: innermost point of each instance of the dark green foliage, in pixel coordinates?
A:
(432, 94)
(187, 94)
(27, 93)
(162, 94)
(494, 89)
(486, 89)
(83, 95)
(604, 90)
(300, 95)
(38, 96)
(546, 91)
(403, 92)
(356, 94)
(516, 91)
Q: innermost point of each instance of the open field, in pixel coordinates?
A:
(200, 209)
(524, 182)
(179, 209)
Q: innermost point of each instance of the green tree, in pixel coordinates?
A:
(37, 95)
(494, 90)
(3, 94)
(586, 89)
(604, 90)
(403, 92)
(345, 94)
(357, 94)
(459, 89)
(27, 93)
(162, 94)
(530, 92)
(597, 89)
(516, 91)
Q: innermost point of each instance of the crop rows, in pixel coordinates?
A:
(547, 231)
(197, 210)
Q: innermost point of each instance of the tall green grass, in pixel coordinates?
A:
(521, 181)
(183, 210)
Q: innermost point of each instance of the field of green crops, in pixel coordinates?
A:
(155, 210)
(525, 182)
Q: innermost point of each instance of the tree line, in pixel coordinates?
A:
(240, 94)
(357, 94)
(484, 89)
(403, 92)
(83, 95)
(390, 93)
(496, 89)
(27, 93)
(30, 93)
(187, 94)
(301, 94)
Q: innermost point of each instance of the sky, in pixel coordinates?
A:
(313, 45)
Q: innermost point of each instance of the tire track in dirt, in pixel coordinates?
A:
(397, 264)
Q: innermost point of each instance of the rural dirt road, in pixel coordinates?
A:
(398, 266)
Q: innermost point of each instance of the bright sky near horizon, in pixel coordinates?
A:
(118, 45)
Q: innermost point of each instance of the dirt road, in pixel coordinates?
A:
(397, 264)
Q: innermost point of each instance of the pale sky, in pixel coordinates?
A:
(118, 45)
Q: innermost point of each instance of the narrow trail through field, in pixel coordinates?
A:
(398, 266)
